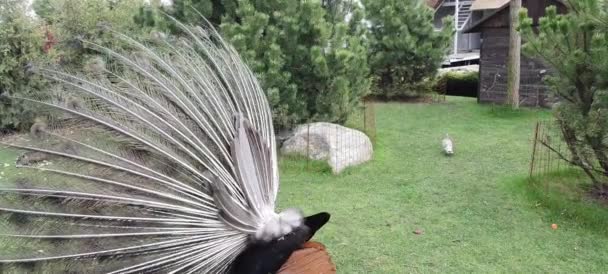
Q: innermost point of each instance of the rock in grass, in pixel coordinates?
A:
(340, 146)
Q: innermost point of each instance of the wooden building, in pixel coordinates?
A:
(494, 29)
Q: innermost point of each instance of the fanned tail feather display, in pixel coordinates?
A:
(172, 166)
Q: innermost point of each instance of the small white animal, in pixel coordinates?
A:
(448, 145)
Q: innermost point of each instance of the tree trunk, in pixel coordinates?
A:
(578, 159)
(600, 152)
(514, 56)
(217, 12)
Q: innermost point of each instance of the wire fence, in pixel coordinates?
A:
(548, 150)
(369, 120)
(338, 145)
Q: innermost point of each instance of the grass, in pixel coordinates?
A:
(7, 165)
(568, 193)
(478, 211)
(475, 208)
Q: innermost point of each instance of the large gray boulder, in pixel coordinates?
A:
(340, 146)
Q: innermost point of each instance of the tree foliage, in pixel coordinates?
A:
(405, 49)
(311, 68)
(191, 11)
(21, 41)
(311, 62)
(576, 46)
(311, 56)
(74, 21)
(54, 36)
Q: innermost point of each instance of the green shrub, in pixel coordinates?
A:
(311, 63)
(405, 50)
(21, 41)
(312, 68)
(74, 20)
(461, 83)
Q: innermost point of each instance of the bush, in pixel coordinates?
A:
(459, 83)
(310, 61)
(26, 42)
(405, 50)
(74, 20)
(312, 68)
(21, 43)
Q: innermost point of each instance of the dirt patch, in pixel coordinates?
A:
(11, 137)
(600, 193)
(5, 133)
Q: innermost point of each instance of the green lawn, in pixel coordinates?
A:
(477, 211)
(473, 207)
(7, 165)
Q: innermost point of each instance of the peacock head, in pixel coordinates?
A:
(267, 256)
(288, 221)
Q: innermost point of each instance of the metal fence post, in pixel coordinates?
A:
(534, 149)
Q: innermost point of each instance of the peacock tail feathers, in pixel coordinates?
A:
(172, 166)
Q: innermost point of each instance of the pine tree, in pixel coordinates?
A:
(257, 42)
(575, 45)
(190, 11)
(337, 10)
(405, 49)
(311, 68)
(348, 65)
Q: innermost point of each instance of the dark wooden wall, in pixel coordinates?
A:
(493, 72)
(536, 10)
(493, 59)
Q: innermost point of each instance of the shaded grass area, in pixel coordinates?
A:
(9, 174)
(568, 195)
(477, 209)
(475, 213)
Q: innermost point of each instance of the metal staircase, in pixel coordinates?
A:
(464, 14)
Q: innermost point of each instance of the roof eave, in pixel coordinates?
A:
(475, 27)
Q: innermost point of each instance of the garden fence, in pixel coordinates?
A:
(364, 120)
(549, 151)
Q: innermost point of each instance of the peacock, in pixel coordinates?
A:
(161, 158)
